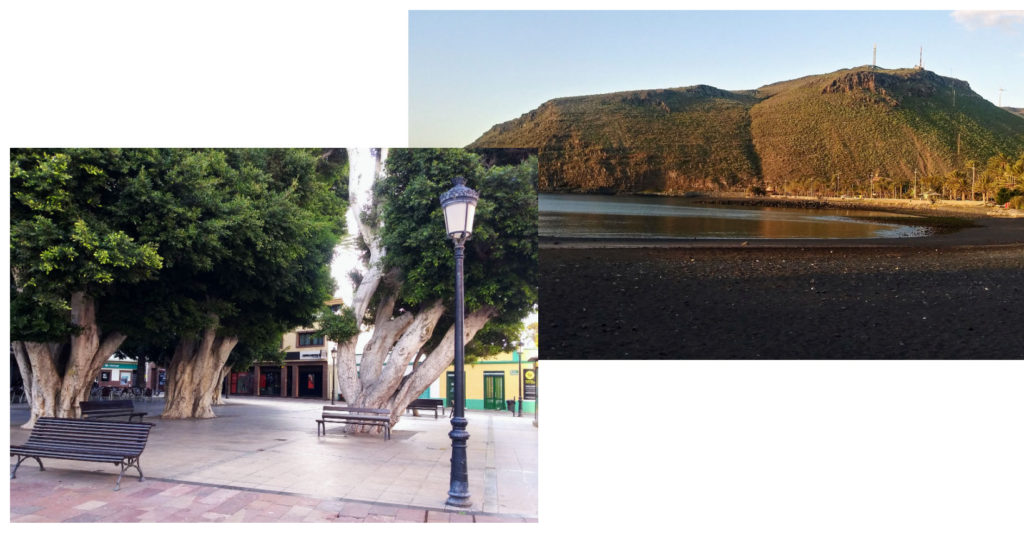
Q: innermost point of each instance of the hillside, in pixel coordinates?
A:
(848, 125)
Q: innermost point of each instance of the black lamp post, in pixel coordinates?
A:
(459, 205)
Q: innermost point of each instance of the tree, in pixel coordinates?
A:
(70, 247)
(407, 290)
(262, 269)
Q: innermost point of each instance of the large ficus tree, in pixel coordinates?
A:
(406, 292)
(278, 215)
(70, 247)
(185, 251)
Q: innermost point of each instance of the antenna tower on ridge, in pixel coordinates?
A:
(920, 60)
(874, 56)
(1001, 96)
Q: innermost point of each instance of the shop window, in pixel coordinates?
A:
(308, 339)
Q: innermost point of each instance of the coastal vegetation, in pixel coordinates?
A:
(865, 131)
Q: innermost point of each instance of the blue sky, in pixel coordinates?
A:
(469, 70)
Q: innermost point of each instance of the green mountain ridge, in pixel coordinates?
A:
(816, 132)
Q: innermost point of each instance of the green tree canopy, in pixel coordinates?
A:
(501, 256)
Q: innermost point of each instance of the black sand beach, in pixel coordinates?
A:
(954, 295)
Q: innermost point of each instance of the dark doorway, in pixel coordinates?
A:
(270, 381)
(311, 381)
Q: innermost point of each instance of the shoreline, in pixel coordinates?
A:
(972, 209)
(986, 229)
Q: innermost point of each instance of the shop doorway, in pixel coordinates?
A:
(449, 399)
(270, 381)
(494, 391)
(241, 384)
(311, 380)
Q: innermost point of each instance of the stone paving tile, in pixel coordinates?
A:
(373, 518)
(218, 496)
(434, 516)
(24, 509)
(460, 518)
(235, 503)
(158, 514)
(90, 505)
(296, 514)
(355, 509)
(411, 515)
(86, 518)
(30, 518)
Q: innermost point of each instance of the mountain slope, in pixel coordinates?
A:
(830, 129)
(659, 140)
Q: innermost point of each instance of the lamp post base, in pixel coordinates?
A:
(458, 489)
(458, 502)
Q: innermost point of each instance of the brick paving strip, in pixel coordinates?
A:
(57, 495)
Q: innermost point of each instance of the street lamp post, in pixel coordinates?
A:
(459, 205)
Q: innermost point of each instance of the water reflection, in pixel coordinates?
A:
(597, 216)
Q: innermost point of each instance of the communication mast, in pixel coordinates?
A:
(874, 56)
(920, 59)
(1001, 96)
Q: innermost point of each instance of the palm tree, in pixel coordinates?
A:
(986, 185)
(1018, 168)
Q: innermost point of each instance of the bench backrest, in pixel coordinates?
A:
(426, 403)
(125, 438)
(348, 409)
(92, 406)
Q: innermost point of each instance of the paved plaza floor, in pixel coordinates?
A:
(261, 460)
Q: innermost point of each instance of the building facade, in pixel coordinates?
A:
(495, 380)
(306, 372)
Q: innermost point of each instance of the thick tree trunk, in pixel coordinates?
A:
(393, 389)
(364, 171)
(194, 373)
(24, 368)
(218, 400)
(437, 361)
(57, 389)
(378, 392)
(45, 380)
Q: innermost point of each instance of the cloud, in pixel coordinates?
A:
(1011, 21)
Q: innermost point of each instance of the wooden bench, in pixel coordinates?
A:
(85, 440)
(355, 416)
(111, 408)
(427, 404)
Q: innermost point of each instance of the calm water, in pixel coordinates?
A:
(600, 216)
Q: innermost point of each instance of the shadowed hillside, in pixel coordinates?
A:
(844, 131)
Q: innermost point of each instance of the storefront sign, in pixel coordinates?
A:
(311, 356)
(120, 365)
(529, 384)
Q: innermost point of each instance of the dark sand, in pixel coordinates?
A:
(956, 295)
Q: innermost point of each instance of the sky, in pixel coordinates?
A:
(469, 70)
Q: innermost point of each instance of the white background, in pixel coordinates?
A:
(701, 447)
